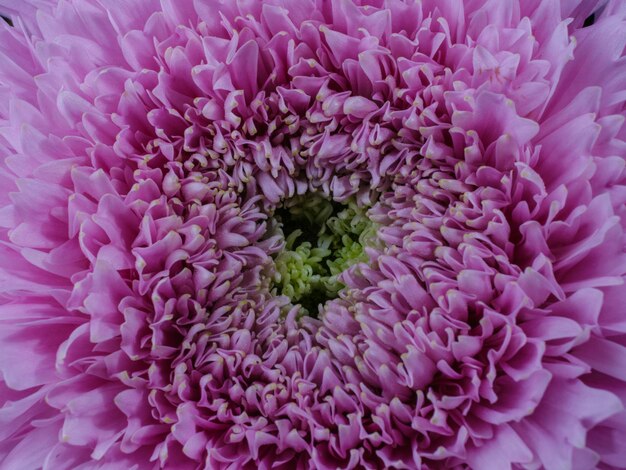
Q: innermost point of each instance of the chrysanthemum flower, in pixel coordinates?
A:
(312, 234)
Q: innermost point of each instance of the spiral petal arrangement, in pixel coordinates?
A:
(312, 234)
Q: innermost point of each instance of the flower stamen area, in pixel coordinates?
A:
(322, 239)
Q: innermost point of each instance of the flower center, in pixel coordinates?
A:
(322, 240)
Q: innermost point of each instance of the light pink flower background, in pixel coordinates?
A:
(143, 148)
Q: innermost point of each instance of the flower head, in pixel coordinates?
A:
(312, 234)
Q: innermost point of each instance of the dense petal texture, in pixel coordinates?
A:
(312, 234)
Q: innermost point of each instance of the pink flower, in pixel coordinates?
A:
(185, 184)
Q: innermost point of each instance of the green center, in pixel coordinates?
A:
(322, 239)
